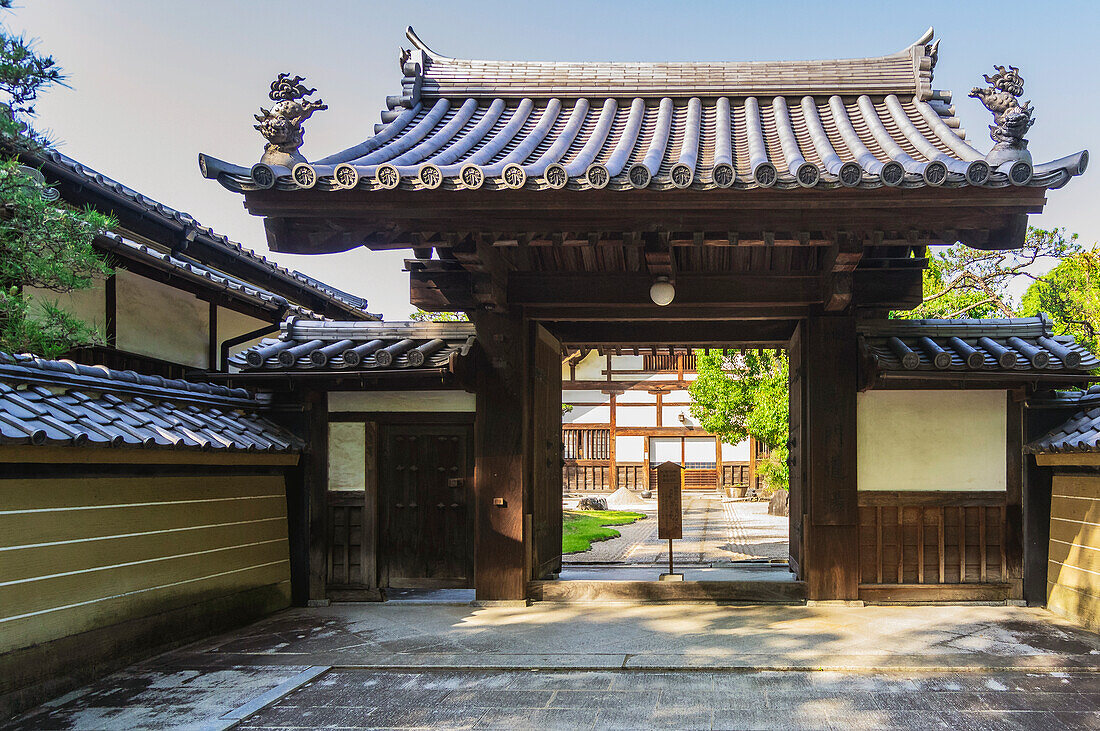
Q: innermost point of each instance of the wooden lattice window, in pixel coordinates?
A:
(586, 443)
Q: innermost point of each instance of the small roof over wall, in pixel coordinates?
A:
(1025, 346)
(309, 345)
(1080, 434)
(61, 403)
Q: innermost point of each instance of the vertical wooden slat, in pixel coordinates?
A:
(878, 543)
(920, 545)
(347, 544)
(1004, 556)
(901, 545)
(962, 545)
(981, 543)
(328, 558)
(369, 526)
(941, 546)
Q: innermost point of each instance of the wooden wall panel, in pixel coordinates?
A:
(1073, 561)
(932, 538)
(95, 551)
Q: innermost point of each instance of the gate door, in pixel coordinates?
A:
(425, 478)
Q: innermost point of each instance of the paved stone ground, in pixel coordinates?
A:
(624, 700)
(716, 531)
(624, 665)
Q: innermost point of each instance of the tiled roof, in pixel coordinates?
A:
(58, 402)
(1081, 432)
(458, 124)
(1017, 345)
(310, 345)
(263, 269)
(188, 267)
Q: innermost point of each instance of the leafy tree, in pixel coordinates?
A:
(422, 316)
(42, 244)
(965, 282)
(742, 393)
(1070, 294)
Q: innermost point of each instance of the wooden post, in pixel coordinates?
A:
(369, 530)
(317, 487)
(660, 407)
(500, 555)
(831, 561)
(645, 464)
(1012, 546)
(670, 510)
(613, 469)
(212, 339)
(751, 485)
(719, 468)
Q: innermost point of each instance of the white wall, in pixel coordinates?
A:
(629, 449)
(736, 452)
(665, 449)
(89, 305)
(160, 321)
(931, 440)
(699, 449)
(232, 323)
(347, 455)
(401, 401)
(636, 416)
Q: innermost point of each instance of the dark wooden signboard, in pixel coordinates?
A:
(670, 514)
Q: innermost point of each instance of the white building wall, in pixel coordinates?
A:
(931, 440)
(736, 452)
(630, 449)
(160, 321)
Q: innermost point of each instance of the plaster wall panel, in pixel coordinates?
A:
(636, 416)
(699, 449)
(89, 305)
(635, 397)
(401, 401)
(931, 440)
(736, 452)
(671, 416)
(347, 455)
(590, 369)
(589, 415)
(161, 321)
(569, 397)
(232, 323)
(630, 449)
(665, 449)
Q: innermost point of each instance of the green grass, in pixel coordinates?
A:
(584, 527)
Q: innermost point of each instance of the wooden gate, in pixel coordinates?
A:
(425, 478)
(546, 456)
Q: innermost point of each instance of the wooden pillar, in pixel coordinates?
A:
(613, 469)
(660, 407)
(110, 305)
(500, 552)
(316, 458)
(751, 483)
(719, 468)
(645, 463)
(370, 526)
(212, 339)
(1014, 480)
(831, 560)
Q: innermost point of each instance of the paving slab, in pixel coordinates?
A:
(623, 666)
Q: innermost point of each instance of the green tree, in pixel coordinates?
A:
(742, 393)
(423, 316)
(1070, 294)
(965, 282)
(43, 244)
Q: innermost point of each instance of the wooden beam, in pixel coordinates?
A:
(713, 334)
(632, 290)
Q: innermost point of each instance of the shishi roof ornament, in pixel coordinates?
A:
(1011, 120)
(282, 124)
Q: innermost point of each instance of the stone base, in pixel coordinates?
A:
(672, 577)
(834, 603)
(501, 603)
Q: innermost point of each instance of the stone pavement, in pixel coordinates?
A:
(607, 666)
(716, 531)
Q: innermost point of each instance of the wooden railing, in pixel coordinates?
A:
(669, 364)
(581, 443)
(594, 476)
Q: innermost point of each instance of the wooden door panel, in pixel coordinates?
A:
(424, 484)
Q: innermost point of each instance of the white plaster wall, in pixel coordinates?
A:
(89, 305)
(635, 397)
(671, 416)
(699, 449)
(636, 416)
(160, 321)
(664, 449)
(347, 453)
(589, 369)
(629, 449)
(568, 397)
(736, 452)
(401, 401)
(232, 323)
(931, 440)
(588, 415)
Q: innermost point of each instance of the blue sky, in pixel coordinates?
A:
(153, 83)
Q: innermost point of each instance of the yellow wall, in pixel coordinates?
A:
(931, 440)
(161, 321)
(1073, 566)
(80, 554)
(232, 323)
(89, 305)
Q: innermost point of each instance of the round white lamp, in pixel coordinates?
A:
(662, 292)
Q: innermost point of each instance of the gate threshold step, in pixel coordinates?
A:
(756, 592)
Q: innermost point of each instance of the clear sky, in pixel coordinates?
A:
(153, 82)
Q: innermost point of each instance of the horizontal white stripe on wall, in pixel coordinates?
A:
(401, 401)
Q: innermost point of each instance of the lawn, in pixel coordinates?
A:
(583, 528)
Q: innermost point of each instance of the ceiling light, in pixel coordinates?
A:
(662, 292)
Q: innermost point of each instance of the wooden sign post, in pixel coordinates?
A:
(670, 513)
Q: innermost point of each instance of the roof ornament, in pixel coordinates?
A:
(1011, 120)
(282, 124)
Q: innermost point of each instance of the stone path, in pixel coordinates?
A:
(623, 700)
(716, 531)
(621, 666)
